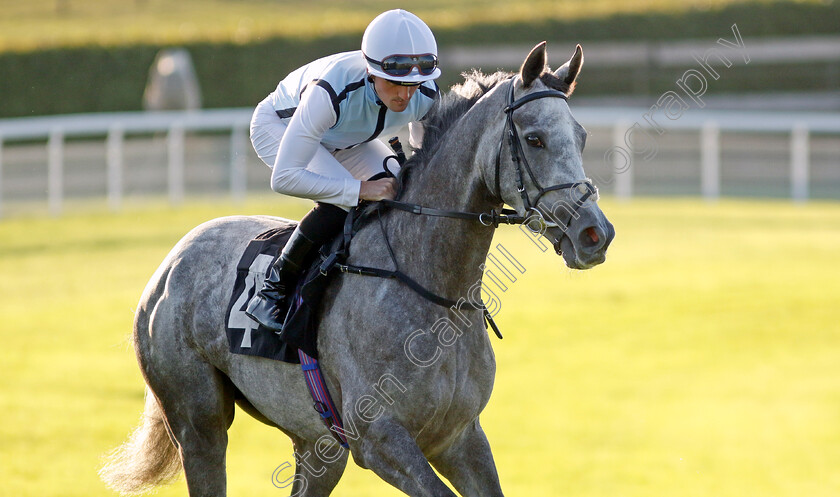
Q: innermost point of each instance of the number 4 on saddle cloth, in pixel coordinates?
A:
(246, 336)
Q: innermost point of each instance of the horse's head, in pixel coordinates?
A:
(539, 168)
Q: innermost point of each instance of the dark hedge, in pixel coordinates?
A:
(104, 79)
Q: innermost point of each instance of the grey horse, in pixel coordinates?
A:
(409, 377)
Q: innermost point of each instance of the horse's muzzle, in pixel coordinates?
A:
(584, 245)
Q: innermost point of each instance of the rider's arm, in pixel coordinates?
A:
(313, 117)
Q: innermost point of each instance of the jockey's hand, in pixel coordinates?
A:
(385, 188)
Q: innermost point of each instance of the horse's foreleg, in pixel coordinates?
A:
(468, 464)
(317, 472)
(389, 451)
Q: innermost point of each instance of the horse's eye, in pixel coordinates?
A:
(534, 141)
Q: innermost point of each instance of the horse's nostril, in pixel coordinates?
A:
(589, 238)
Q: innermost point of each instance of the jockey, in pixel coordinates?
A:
(318, 130)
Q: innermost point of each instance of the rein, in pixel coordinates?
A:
(492, 218)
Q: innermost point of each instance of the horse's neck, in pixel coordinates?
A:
(447, 253)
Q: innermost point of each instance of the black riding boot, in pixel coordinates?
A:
(268, 307)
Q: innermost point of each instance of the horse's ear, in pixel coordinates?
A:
(534, 65)
(569, 71)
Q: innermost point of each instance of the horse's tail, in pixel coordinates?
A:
(147, 459)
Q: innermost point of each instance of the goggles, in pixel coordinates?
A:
(401, 65)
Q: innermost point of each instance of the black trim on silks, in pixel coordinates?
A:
(351, 87)
(380, 124)
(286, 113)
(341, 96)
(333, 97)
(428, 92)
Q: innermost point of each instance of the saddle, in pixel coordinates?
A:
(246, 336)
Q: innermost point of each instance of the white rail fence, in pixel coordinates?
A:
(633, 143)
(638, 131)
(114, 128)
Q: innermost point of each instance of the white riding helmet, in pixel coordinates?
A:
(398, 46)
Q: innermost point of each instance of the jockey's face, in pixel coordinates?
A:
(394, 95)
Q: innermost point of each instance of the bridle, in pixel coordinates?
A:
(517, 156)
(492, 218)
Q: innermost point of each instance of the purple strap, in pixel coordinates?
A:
(323, 402)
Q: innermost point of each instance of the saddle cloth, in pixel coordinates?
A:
(246, 336)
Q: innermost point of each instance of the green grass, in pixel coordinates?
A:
(702, 359)
(57, 23)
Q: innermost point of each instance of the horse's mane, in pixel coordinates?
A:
(454, 104)
(450, 107)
